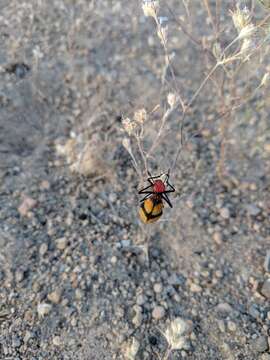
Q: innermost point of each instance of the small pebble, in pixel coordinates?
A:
(232, 326)
(225, 213)
(16, 342)
(217, 237)
(61, 243)
(27, 204)
(112, 197)
(253, 311)
(78, 294)
(260, 344)
(267, 262)
(158, 312)
(43, 309)
(44, 185)
(43, 249)
(221, 326)
(195, 288)
(141, 299)
(265, 356)
(138, 318)
(265, 290)
(28, 335)
(19, 276)
(176, 280)
(224, 308)
(56, 341)
(55, 296)
(253, 210)
(158, 288)
(113, 259)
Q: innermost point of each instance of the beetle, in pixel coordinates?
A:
(151, 208)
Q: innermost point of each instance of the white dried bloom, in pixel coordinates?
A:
(241, 18)
(247, 31)
(175, 334)
(265, 79)
(247, 45)
(172, 99)
(140, 116)
(129, 126)
(150, 8)
(131, 349)
(43, 309)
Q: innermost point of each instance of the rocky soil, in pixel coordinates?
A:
(80, 277)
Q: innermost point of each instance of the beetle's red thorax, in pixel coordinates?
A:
(159, 186)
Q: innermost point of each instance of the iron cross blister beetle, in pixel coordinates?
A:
(151, 208)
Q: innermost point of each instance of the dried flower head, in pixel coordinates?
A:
(129, 126)
(131, 348)
(241, 18)
(247, 31)
(172, 99)
(175, 334)
(150, 8)
(43, 309)
(140, 116)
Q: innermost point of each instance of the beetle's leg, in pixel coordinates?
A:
(172, 188)
(165, 197)
(151, 178)
(146, 196)
(142, 191)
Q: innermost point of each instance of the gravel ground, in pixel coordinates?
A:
(78, 280)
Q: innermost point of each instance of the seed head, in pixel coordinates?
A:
(131, 349)
(150, 8)
(129, 126)
(241, 18)
(247, 31)
(175, 333)
(172, 99)
(140, 116)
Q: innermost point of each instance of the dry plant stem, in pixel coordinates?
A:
(167, 354)
(183, 28)
(208, 76)
(168, 62)
(221, 170)
(192, 38)
(186, 9)
(218, 10)
(135, 164)
(138, 138)
(165, 117)
(209, 12)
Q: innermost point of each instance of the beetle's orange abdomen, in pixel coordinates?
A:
(151, 209)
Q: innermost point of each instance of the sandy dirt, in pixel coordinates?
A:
(78, 279)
